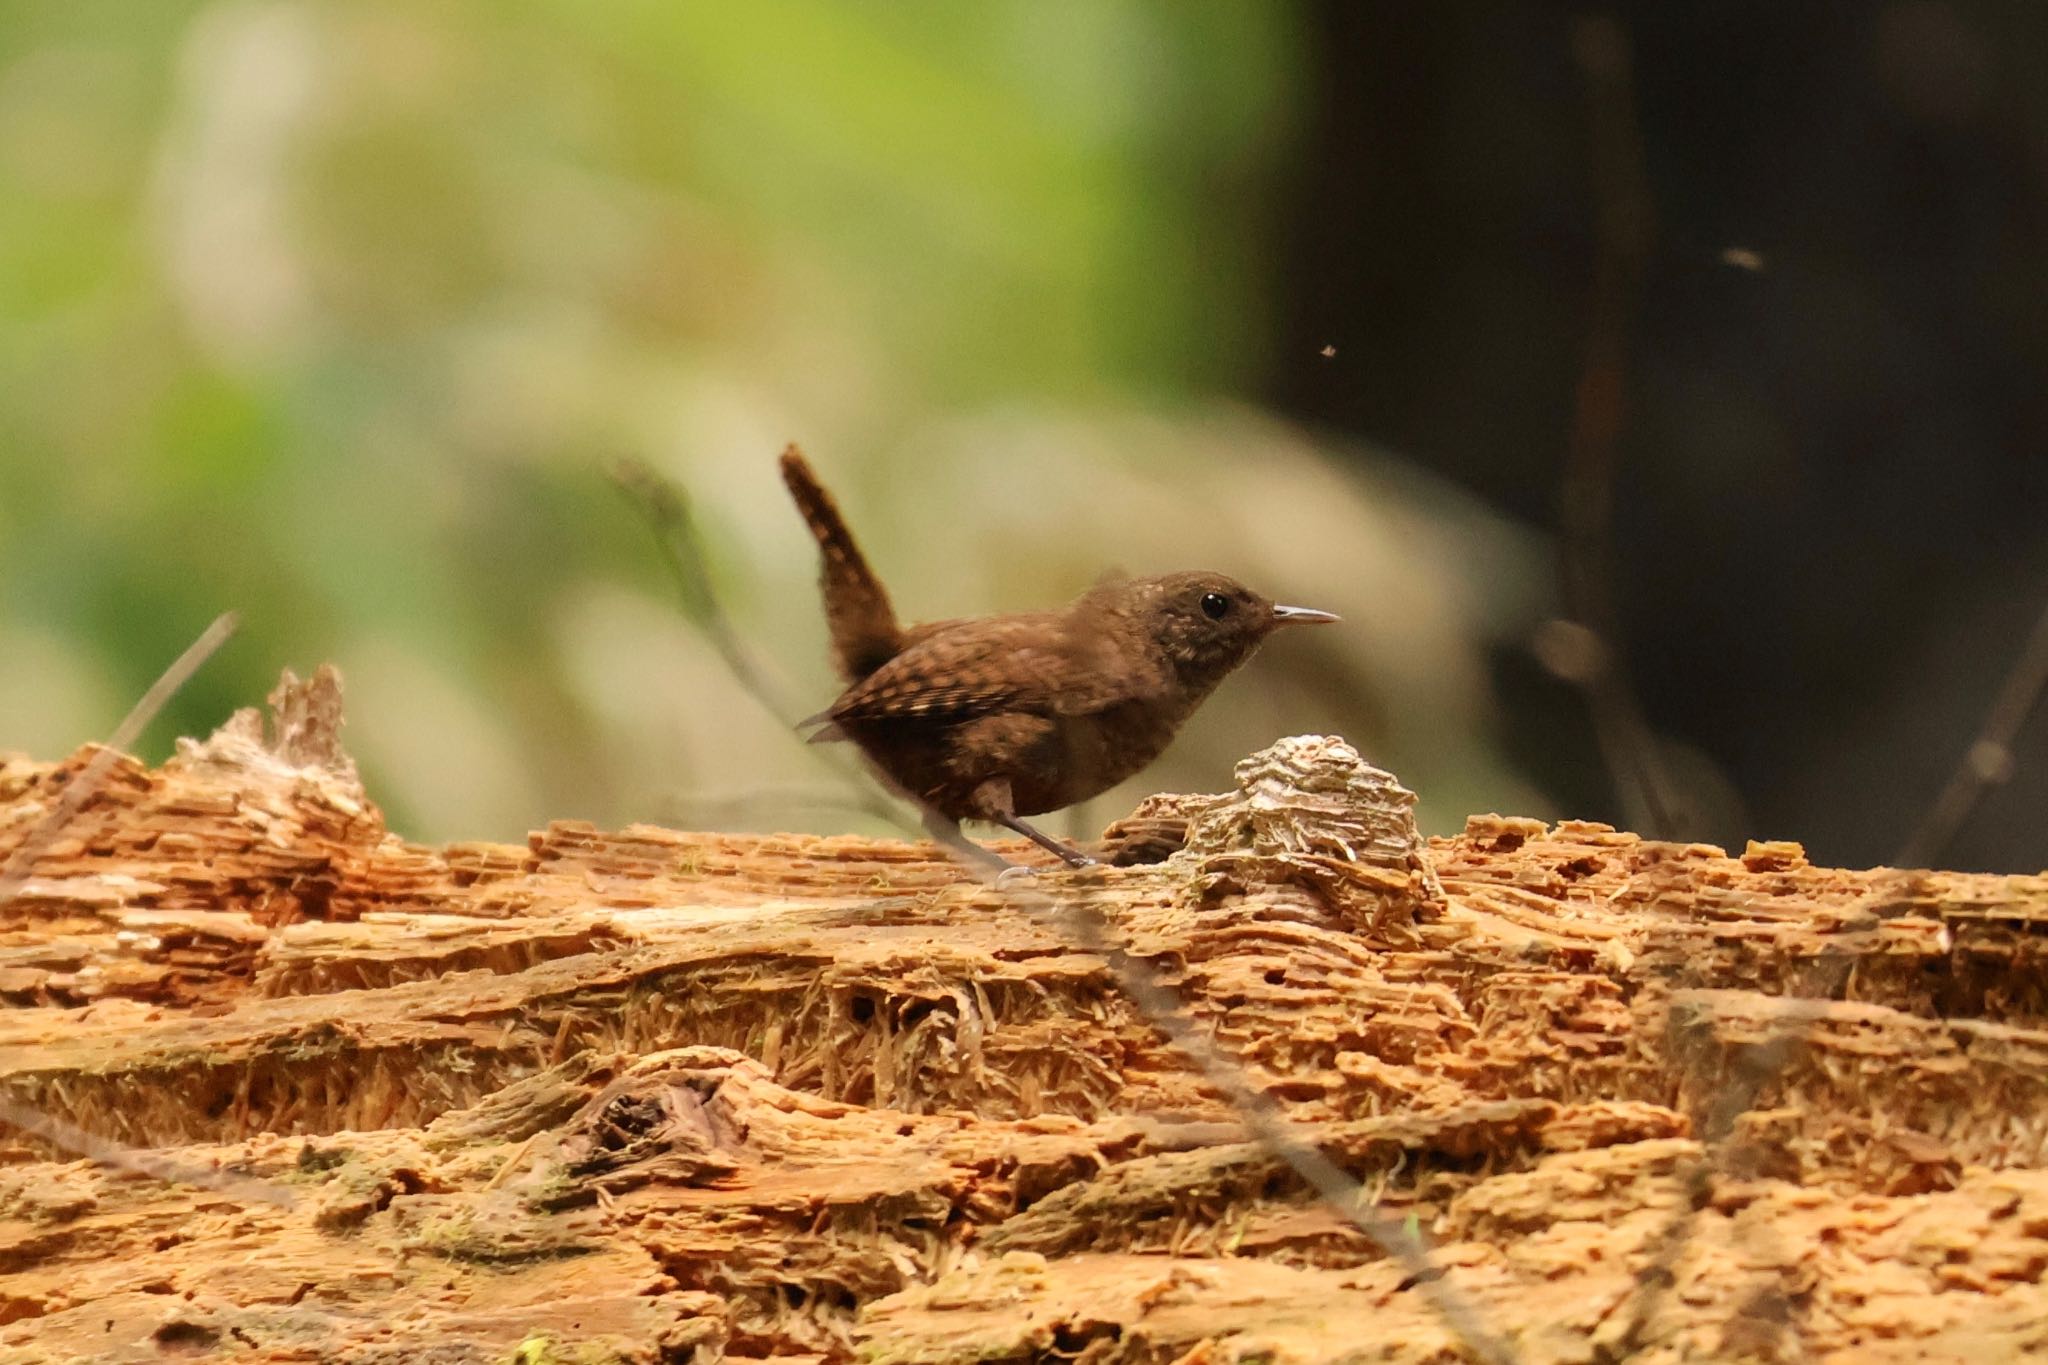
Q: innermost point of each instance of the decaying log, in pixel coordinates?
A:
(663, 1096)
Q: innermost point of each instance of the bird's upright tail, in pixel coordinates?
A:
(863, 624)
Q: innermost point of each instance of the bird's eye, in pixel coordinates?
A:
(1214, 604)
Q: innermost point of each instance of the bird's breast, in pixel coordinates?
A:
(1116, 743)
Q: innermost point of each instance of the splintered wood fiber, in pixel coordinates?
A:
(658, 1096)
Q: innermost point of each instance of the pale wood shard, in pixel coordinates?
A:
(652, 1096)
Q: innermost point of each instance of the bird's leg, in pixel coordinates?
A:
(948, 834)
(1059, 848)
(993, 802)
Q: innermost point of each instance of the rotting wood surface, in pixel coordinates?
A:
(663, 1096)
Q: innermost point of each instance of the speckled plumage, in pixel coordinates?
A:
(998, 717)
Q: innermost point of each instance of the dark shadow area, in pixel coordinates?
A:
(1829, 532)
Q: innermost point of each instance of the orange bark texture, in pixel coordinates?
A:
(660, 1096)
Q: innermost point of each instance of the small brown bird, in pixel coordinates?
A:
(998, 717)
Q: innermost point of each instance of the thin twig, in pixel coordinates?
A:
(23, 859)
(71, 1138)
(1988, 761)
(1622, 218)
(1163, 1008)
(665, 507)
(21, 863)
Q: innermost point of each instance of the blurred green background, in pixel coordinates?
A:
(335, 313)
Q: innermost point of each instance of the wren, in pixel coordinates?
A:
(995, 718)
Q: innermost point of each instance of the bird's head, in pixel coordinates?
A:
(1203, 624)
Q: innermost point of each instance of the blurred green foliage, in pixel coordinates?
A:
(333, 312)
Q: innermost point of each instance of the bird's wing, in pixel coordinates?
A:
(974, 668)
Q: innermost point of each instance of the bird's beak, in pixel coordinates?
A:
(1283, 616)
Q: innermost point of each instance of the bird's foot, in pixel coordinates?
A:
(1059, 848)
(1015, 877)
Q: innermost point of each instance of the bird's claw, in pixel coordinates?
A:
(1014, 876)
